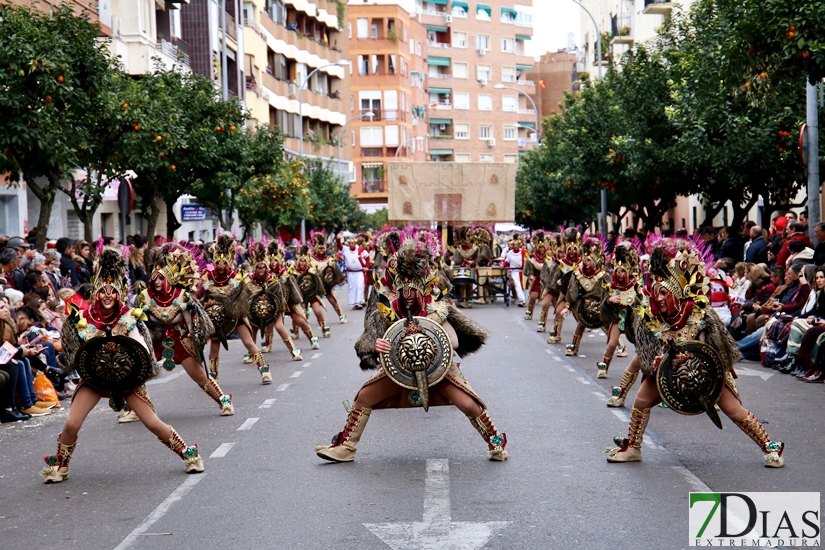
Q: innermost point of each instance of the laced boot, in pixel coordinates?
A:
(312, 338)
(296, 353)
(247, 359)
(528, 314)
(214, 391)
(57, 468)
(267, 343)
(621, 350)
(342, 448)
(496, 440)
(128, 415)
(573, 349)
(629, 449)
(341, 317)
(555, 338)
(189, 454)
(213, 367)
(619, 393)
(294, 332)
(542, 321)
(604, 366)
(773, 449)
(325, 330)
(263, 368)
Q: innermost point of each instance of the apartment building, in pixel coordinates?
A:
(388, 103)
(477, 80)
(554, 74)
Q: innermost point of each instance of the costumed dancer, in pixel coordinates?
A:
(267, 305)
(515, 259)
(108, 344)
(585, 292)
(293, 301)
(365, 240)
(686, 351)
(327, 268)
(177, 321)
(412, 328)
(227, 304)
(622, 295)
(312, 289)
(536, 267)
(567, 255)
(355, 261)
(483, 237)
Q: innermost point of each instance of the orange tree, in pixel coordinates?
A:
(331, 206)
(54, 77)
(276, 199)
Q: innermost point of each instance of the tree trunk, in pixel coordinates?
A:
(46, 197)
(172, 223)
(151, 218)
(711, 212)
(740, 213)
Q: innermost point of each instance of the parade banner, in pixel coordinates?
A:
(451, 191)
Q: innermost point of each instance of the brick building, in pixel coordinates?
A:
(557, 70)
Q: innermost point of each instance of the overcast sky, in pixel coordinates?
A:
(552, 21)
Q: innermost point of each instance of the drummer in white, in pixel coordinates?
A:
(355, 258)
(514, 258)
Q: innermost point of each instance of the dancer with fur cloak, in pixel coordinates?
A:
(409, 290)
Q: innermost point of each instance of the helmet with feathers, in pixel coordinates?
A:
(224, 252)
(593, 249)
(273, 251)
(679, 266)
(110, 275)
(626, 256)
(411, 275)
(259, 254)
(175, 263)
(539, 239)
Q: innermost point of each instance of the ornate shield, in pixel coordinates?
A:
(690, 379)
(588, 312)
(420, 356)
(308, 283)
(264, 309)
(328, 277)
(114, 364)
(224, 326)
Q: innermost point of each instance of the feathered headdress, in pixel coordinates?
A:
(539, 238)
(224, 249)
(482, 235)
(259, 254)
(626, 256)
(678, 265)
(110, 272)
(273, 250)
(175, 264)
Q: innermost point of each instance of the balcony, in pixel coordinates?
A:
(441, 136)
(268, 27)
(372, 152)
(521, 82)
(440, 76)
(526, 111)
(385, 114)
(434, 44)
(657, 7)
(178, 51)
(524, 20)
(621, 31)
(372, 186)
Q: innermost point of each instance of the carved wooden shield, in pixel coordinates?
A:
(690, 379)
(264, 309)
(308, 283)
(221, 322)
(588, 312)
(114, 364)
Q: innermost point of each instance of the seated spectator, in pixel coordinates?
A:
(741, 282)
(719, 298)
(806, 329)
(798, 252)
(757, 251)
(10, 263)
(788, 298)
(68, 267)
(30, 325)
(796, 234)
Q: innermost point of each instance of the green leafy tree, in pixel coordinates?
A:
(279, 199)
(331, 207)
(54, 75)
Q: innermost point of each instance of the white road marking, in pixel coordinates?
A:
(221, 451)
(305, 365)
(266, 404)
(550, 351)
(282, 387)
(436, 531)
(166, 379)
(296, 374)
(247, 425)
(316, 355)
(697, 484)
(557, 359)
(598, 394)
(568, 368)
(161, 510)
(620, 415)
(744, 371)
(583, 380)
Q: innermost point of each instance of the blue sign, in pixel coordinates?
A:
(192, 212)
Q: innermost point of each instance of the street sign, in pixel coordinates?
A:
(192, 212)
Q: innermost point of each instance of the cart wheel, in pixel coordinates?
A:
(507, 299)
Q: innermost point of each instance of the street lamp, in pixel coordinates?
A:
(501, 86)
(398, 149)
(369, 114)
(603, 214)
(339, 63)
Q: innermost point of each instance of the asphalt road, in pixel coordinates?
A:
(420, 480)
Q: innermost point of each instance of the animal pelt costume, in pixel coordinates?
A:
(326, 266)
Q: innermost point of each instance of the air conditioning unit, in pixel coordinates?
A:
(293, 90)
(442, 127)
(482, 51)
(448, 19)
(483, 81)
(491, 142)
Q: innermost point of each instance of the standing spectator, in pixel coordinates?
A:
(796, 234)
(137, 261)
(733, 246)
(803, 218)
(15, 278)
(24, 249)
(757, 252)
(819, 235)
(68, 267)
(82, 255)
(708, 234)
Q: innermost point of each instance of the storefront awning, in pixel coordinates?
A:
(438, 61)
(436, 28)
(447, 91)
(441, 121)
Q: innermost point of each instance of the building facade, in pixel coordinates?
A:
(554, 74)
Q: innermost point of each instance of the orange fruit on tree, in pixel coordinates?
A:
(232, 128)
(763, 75)
(48, 99)
(125, 105)
(806, 54)
(747, 84)
(161, 154)
(136, 127)
(791, 34)
(60, 79)
(159, 138)
(172, 168)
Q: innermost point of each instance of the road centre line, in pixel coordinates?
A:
(282, 387)
(583, 380)
(161, 510)
(266, 404)
(247, 425)
(296, 374)
(305, 365)
(316, 355)
(620, 415)
(221, 451)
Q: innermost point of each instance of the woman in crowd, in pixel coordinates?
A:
(137, 262)
(805, 329)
